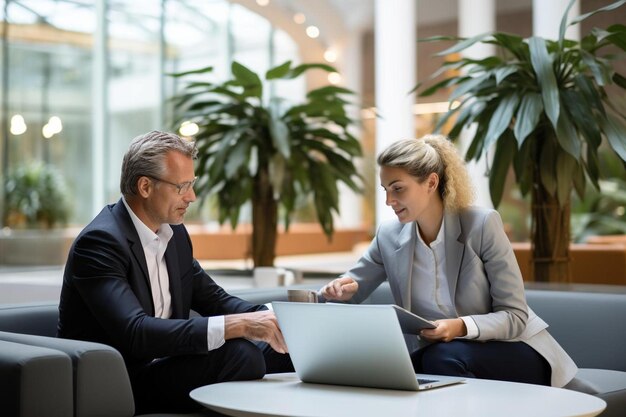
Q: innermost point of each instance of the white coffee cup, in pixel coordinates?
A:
(268, 276)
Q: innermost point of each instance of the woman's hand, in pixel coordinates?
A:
(341, 289)
(446, 330)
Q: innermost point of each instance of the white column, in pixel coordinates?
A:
(349, 64)
(476, 17)
(99, 105)
(395, 40)
(547, 17)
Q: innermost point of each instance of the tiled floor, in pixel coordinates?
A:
(30, 284)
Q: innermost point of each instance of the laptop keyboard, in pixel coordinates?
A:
(425, 381)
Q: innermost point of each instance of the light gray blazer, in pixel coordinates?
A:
(484, 279)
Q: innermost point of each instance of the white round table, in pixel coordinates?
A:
(286, 395)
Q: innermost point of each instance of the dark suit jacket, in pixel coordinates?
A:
(106, 294)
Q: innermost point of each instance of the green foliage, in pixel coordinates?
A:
(543, 104)
(602, 212)
(35, 196)
(306, 149)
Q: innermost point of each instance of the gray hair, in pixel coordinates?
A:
(433, 154)
(146, 157)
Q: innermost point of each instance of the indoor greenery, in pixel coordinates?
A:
(544, 105)
(261, 149)
(602, 212)
(35, 197)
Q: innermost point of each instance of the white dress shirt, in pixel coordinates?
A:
(154, 246)
(430, 292)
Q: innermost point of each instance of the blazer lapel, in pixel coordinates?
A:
(454, 251)
(403, 268)
(173, 272)
(133, 238)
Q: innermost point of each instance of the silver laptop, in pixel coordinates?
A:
(347, 344)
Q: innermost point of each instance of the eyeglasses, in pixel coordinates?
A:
(182, 188)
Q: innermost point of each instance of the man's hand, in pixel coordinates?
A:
(341, 289)
(259, 325)
(446, 330)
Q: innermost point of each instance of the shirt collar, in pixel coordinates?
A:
(440, 234)
(146, 235)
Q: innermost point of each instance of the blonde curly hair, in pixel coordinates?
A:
(433, 153)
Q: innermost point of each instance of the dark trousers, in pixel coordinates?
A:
(506, 361)
(164, 384)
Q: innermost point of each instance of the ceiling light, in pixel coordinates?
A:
(299, 18)
(334, 78)
(18, 126)
(312, 31)
(188, 128)
(330, 55)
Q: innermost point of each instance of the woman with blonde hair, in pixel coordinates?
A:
(452, 263)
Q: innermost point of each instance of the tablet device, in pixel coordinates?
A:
(412, 323)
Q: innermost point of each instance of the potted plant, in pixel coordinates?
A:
(544, 105)
(35, 197)
(260, 149)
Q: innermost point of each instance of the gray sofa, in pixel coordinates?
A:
(66, 377)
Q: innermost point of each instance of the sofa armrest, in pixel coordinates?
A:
(34, 381)
(30, 318)
(101, 383)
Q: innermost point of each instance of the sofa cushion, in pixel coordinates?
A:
(34, 381)
(579, 320)
(101, 382)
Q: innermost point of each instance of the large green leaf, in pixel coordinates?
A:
(567, 136)
(448, 82)
(524, 165)
(505, 151)
(589, 92)
(277, 172)
(563, 25)
(542, 65)
(591, 166)
(279, 133)
(328, 92)
(547, 169)
(501, 118)
(608, 8)
(247, 79)
(512, 43)
(615, 133)
(582, 116)
(579, 181)
(237, 159)
(503, 72)
(297, 71)
(279, 71)
(464, 44)
(528, 116)
(469, 86)
(565, 170)
(600, 71)
(203, 70)
(617, 36)
(619, 80)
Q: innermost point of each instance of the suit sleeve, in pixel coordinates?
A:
(369, 270)
(509, 311)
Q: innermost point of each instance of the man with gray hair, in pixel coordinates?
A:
(131, 280)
